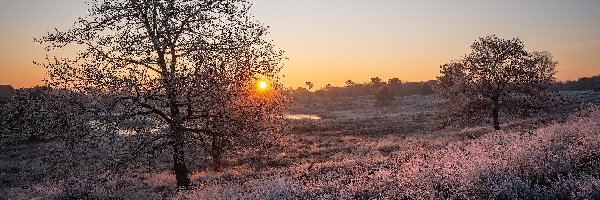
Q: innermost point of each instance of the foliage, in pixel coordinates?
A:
(169, 74)
(497, 77)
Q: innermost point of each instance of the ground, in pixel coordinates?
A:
(360, 151)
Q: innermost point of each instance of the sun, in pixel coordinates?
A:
(263, 85)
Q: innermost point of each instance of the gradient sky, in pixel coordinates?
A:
(331, 41)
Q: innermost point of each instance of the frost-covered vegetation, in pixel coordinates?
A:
(356, 151)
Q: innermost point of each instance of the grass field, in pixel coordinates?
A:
(355, 151)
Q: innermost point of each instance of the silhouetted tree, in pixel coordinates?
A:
(497, 77)
(310, 85)
(350, 83)
(178, 74)
(394, 81)
(375, 80)
(377, 84)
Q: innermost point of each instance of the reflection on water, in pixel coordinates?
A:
(301, 116)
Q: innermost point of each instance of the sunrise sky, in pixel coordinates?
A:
(331, 41)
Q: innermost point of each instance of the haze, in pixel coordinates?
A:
(337, 40)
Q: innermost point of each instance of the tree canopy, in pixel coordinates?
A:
(498, 77)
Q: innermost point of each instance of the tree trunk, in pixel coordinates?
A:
(216, 154)
(181, 171)
(177, 137)
(217, 163)
(495, 110)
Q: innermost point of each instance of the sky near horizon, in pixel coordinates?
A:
(331, 41)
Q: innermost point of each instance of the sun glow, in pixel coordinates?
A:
(262, 85)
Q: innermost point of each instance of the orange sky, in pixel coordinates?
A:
(337, 40)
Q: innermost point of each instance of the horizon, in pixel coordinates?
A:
(334, 41)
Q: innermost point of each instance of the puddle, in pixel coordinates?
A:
(302, 116)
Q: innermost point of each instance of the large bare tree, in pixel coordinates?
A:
(498, 77)
(178, 74)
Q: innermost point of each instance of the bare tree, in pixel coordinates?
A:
(178, 74)
(497, 77)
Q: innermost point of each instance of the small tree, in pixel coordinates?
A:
(497, 77)
(310, 85)
(394, 81)
(377, 84)
(174, 74)
(350, 83)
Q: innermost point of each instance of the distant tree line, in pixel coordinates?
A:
(393, 87)
(581, 84)
(398, 88)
